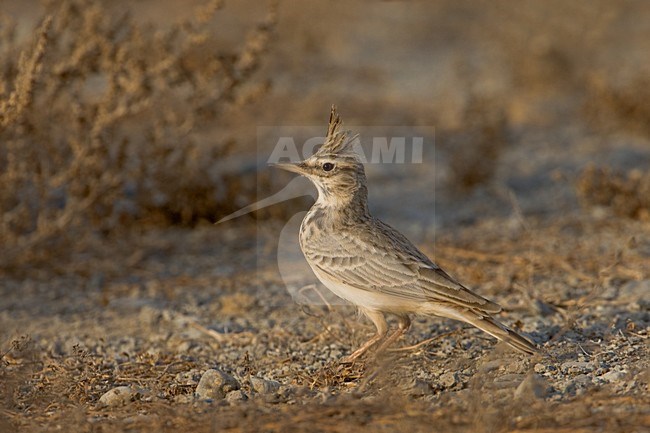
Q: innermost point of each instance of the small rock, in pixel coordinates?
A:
(236, 396)
(448, 379)
(264, 386)
(583, 381)
(575, 367)
(119, 396)
(215, 384)
(532, 386)
(575, 385)
(614, 376)
(539, 368)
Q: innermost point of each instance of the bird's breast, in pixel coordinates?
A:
(313, 224)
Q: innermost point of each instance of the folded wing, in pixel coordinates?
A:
(385, 261)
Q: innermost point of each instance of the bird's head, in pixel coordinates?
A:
(335, 169)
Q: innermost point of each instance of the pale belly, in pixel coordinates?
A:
(368, 299)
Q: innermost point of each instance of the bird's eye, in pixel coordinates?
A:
(328, 166)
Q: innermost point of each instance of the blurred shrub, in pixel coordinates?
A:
(627, 194)
(617, 104)
(105, 123)
(476, 147)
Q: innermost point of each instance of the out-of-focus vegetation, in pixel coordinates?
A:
(105, 122)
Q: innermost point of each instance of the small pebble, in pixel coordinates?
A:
(215, 384)
(614, 376)
(539, 368)
(573, 386)
(119, 396)
(236, 396)
(264, 386)
(448, 379)
(574, 367)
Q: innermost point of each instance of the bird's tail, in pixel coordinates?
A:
(502, 332)
(488, 324)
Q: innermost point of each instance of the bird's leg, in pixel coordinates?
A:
(403, 326)
(377, 317)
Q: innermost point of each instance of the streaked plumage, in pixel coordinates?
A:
(370, 264)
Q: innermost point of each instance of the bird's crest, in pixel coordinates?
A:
(337, 142)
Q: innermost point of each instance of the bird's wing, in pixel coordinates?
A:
(385, 261)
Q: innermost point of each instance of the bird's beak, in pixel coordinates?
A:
(295, 167)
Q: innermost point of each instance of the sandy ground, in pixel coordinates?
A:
(194, 328)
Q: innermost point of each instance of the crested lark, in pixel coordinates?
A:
(372, 265)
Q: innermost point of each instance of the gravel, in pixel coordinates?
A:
(203, 344)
